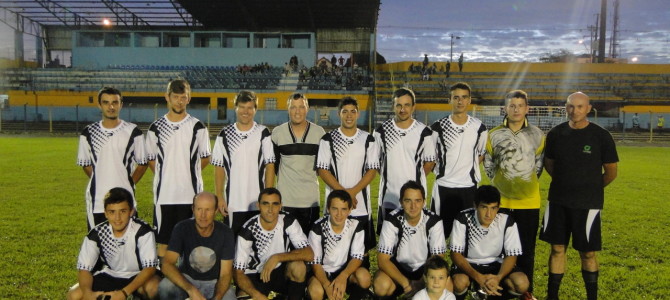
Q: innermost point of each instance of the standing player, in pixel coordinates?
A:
(484, 246)
(296, 145)
(177, 149)
(513, 162)
(107, 151)
(339, 252)
(271, 252)
(243, 157)
(347, 160)
(581, 158)
(410, 235)
(460, 142)
(118, 256)
(406, 152)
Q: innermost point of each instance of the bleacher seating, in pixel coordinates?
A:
(142, 78)
(543, 87)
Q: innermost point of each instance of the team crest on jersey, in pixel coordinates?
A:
(587, 149)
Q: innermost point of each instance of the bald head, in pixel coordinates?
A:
(204, 199)
(578, 107)
(579, 96)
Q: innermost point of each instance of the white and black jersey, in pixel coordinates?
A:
(348, 159)
(333, 250)
(412, 245)
(244, 155)
(484, 245)
(458, 148)
(177, 149)
(402, 153)
(122, 257)
(256, 245)
(113, 154)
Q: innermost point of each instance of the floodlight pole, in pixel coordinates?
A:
(451, 49)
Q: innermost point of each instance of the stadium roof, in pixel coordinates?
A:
(251, 15)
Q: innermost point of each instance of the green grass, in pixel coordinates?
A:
(42, 223)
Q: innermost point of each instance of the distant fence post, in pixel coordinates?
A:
(76, 116)
(155, 111)
(623, 128)
(25, 117)
(1, 111)
(209, 107)
(651, 130)
(51, 125)
(130, 112)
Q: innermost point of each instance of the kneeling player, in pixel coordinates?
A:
(126, 249)
(480, 238)
(436, 277)
(264, 261)
(339, 250)
(408, 237)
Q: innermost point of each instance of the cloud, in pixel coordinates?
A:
(519, 30)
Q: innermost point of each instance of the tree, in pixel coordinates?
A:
(563, 55)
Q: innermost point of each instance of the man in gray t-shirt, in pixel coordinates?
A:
(296, 145)
(206, 248)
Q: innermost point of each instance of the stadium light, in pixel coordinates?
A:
(451, 49)
(106, 22)
(634, 59)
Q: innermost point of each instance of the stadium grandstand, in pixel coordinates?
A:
(324, 49)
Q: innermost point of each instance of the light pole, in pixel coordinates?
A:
(451, 50)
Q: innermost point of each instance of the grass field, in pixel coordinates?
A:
(42, 223)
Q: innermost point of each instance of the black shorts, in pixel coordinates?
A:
(561, 222)
(449, 202)
(492, 268)
(278, 281)
(416, 275)
(166, 217)
(370, 238)
(306, 216)
(103, 282)
(239, 218)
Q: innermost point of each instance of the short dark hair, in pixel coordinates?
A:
(347, 101)
(109, 91)
(178, 86)
(339, 194)
(269, 191)
(412, 185)
(462, 86)
(245, 96)
(118, 195)
(402, 92)
(216, 199)
(516, 94)
(435, 262)
(487, 194)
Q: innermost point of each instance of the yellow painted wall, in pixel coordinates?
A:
(67, 98)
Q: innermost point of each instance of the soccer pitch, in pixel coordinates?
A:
(42, 222)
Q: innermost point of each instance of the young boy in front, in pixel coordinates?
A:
(438, 283)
